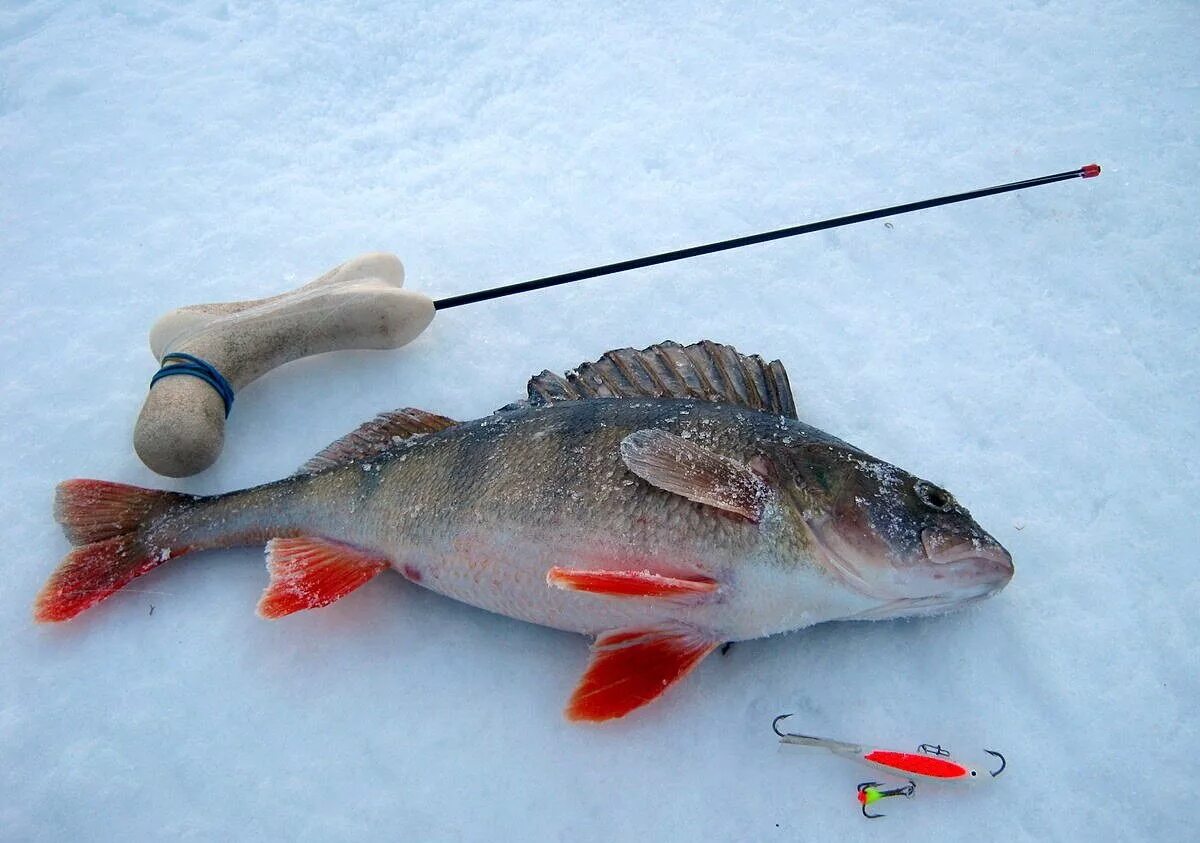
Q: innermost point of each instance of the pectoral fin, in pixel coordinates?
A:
(697, 473)
(309, 572)
(631, 667)
(631, 584)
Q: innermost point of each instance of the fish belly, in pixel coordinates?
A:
(507, 574)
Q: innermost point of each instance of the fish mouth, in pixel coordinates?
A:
(968, 561)
(958, 571)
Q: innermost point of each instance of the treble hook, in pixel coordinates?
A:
(1003, 763)
(933, 749)
(869, 792)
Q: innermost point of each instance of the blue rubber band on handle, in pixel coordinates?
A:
(196, 368)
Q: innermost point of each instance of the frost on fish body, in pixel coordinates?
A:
(665, 501)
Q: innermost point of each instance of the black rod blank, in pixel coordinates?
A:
(1086, 172)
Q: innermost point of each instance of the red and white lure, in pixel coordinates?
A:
(929, 763)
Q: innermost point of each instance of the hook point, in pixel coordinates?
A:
(775, 724)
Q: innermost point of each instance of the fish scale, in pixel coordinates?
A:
(663, 500)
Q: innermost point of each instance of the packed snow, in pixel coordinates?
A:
(1038, 354)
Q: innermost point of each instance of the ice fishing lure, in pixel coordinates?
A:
(930, 762)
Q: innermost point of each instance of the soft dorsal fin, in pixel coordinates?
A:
(374, 437)
(706, 370)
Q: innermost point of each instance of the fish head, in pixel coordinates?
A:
(903, 542)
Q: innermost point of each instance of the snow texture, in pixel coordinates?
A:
(1038, 354)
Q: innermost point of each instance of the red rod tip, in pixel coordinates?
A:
(1089, 171)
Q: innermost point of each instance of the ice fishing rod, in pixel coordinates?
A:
(1086, 172)
(208, 352)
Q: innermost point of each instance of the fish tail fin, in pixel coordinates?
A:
(94, 510)
(107, 522)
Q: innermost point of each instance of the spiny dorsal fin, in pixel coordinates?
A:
(375, 437)
(706, 370)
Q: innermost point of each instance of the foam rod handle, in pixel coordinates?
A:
(360, 304)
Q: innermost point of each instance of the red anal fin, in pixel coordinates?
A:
(309, 572)
(629, 583)
(631, 667)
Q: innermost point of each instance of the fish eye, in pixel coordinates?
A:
(973, 773)
(933, 497)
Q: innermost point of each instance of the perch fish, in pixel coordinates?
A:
(664, 501)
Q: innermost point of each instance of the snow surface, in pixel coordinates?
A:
(1037, 354)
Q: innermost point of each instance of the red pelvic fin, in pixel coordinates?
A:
(630, 583)
(309, 572)
(631, 667)
(107, 520)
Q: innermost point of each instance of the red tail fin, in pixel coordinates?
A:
(94, 510)
(106, 519)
